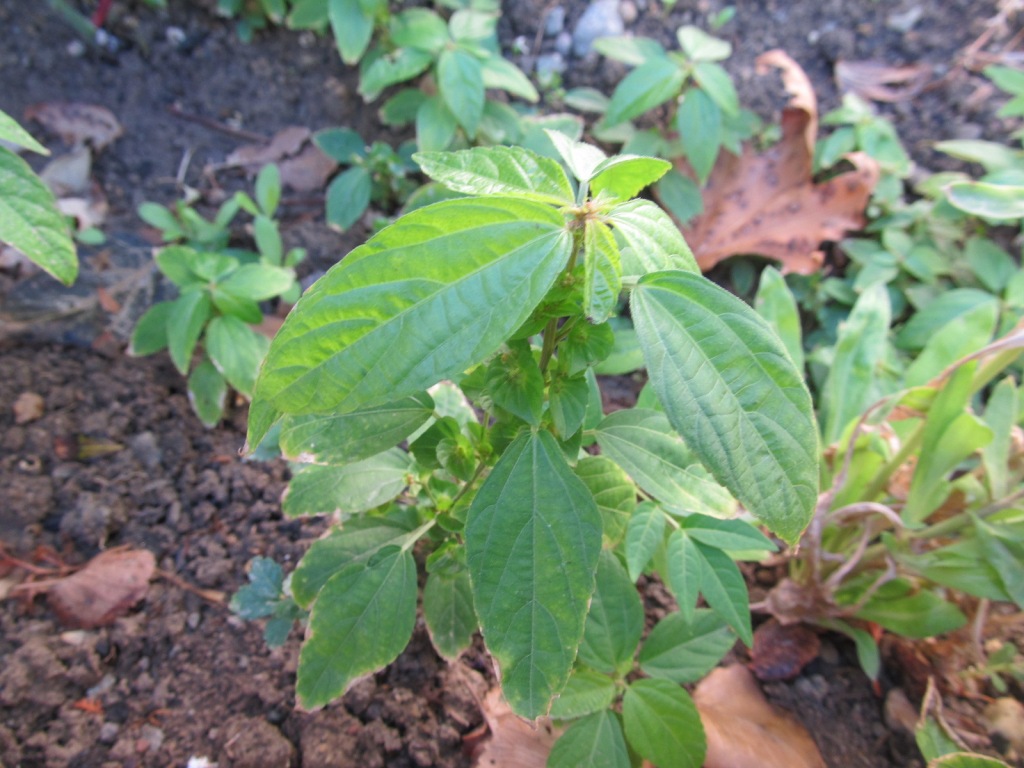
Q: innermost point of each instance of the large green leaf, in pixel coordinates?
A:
(623, 177)
(990, 201)
(596, 741)
(730, 389)
(644, 444)
(362, 620)
(348, 490)
(644, 534)
(460, 80)
(343, 438)
(185, 321)
(725, 590)
(448, 611)
(615, 620)
(851, 383)
(390, 69)
(776, 304)
(649, 240)
(425, 299)
(503, 75)
(348, 196)
(30, 221)
(533, 536)
(652, 83)
(663, 725)
(237, 351)
(614, 493)
(602, 280)
(356, 543)
(585, 693)
(499, 171)
(13, 133)
(699, 122)
(683, 650)
(352, 28)
(683, 570)
(968, 333)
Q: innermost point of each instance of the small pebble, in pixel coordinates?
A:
(153, 736)
(76, 49)
(628, 11)
(554, 24)
(108, 733)
(175, 36)
(601, 19)
(563, 43)
(193, 620)
(900, 714)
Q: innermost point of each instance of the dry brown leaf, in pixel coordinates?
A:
(77, 123)
(28, 406)
(108, 585)
(781, 651)
(307, 171)
(768, 204)
(877, 81)
(68, 174)
(745, 731)
(286, 142)
(514, 742)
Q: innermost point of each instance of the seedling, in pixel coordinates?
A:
(220, 293)
(467, 331)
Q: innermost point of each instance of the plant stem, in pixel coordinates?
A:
(551, 329)
(905, 452)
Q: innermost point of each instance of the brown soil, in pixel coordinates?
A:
(181, 677)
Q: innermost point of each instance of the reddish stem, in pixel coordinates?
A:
(99, 16)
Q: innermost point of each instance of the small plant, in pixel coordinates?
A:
(468, 331)
(220, 290)
(252, 15)
(29, 218)
(376, 173)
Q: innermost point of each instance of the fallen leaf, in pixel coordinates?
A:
(68, 174)
(89, 211)
(108, 585)
(77, 123)
(286, 142)
(781, 651)
(877, 81)
(28, 406)
(514, 742)
(308, 171)
(1004, 717)
(768, 203)
(744, 731)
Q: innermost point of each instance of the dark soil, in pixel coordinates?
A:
(180, 677)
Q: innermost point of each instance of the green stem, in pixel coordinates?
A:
(418, 534)
(469, 484)
(908, 448)
(75, 20)
(551, 330)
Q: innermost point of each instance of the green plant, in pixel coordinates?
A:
(220, 290)
(29, 218)
(376, 173)
(252, 15)
(468, 331)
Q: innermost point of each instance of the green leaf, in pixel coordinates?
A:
(684, 650)
(419, 28)
(503, 75)
(698, 45)
(730, 535)
(580, 158)
(460, 275)
(951, 434)
(990, 201)
(268, 189)
(595, 741)
(776, 304)
(533, 537)
(662, 724)
(185, 321)
(390, 69)
(268, 239)
(730, 389)
(308, 14)
(1005, 555)
(868, 656)
(499, 171)
(448, 612)
(173, 261)
(339, 439)
(699, 122)
(515, 382)
(361, 621)
(912, 614)
(30, 221)
(1001, 414)
(968, 333)
(150, 334)
(585, 693)
(649, 85)
(680, 195)
(966, 760)
(644, 534)
(207, 392)
(237, 351)
(258, 282)
(435, 125)
(13, 133)
(567, 403)
(725, 590)
(630, 50)
(352, 28)
(644, 444)
(946, 308)
(348, 490)
(623, 177)
(602, 272)
(461, 83)
(683, 569)
(341, 144)
(615, 620)
(614, 493)
(991, 265)
(259, 597)
(357, 543)
(717, 84)
(348, 196)
(649, 240)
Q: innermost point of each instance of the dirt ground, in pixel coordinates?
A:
(181, 677)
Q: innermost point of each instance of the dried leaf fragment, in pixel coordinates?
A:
(514, 742)
(77, 123)
(781, 651)
(768, 204)
(108, 585)
(28, 406)
(877, 81)
(745, 731)
(302, 165)
(286, 142)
